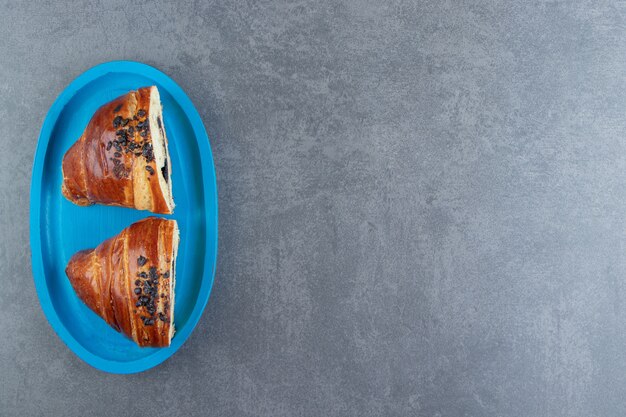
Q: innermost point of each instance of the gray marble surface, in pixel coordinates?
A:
(422, 206)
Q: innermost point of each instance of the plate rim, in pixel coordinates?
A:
(208, 175)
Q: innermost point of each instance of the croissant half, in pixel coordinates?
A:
(129, 280)
(122, 158)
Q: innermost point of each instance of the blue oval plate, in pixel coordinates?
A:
(59, 228)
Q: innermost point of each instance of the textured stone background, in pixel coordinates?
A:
(422, 206)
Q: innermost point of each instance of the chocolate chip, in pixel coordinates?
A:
(109, 145)
(141, 113)
(138, 304)
(141, 261)
(165, 171)
(118, 108)
(143, 299)
(137, 290)
(148, 322)
(131, 130)
(147, 152)
(153, 273)
(150, 170)
(117, 121)
(143, 133)
(117, 155)
(122, 136)
(142, 275)
(166, 274)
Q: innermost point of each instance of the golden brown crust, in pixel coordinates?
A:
(112, 162)
(125, 280)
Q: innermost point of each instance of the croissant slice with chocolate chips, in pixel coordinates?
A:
(121, 158)
(129, 280)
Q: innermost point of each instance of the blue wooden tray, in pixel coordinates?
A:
(59, 228)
